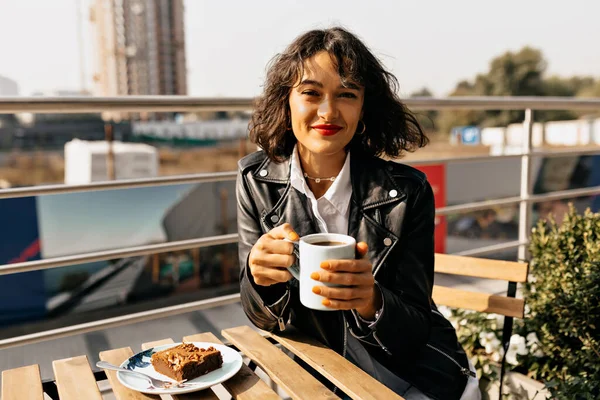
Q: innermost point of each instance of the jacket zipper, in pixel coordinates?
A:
(280, 320)
(465, 371)
(345, 335)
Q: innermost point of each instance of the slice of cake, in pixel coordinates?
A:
(186, 361)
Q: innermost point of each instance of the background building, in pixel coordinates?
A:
(8, 87)
(140, 48)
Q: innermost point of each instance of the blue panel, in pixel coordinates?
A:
(595, 181)
(22, 296)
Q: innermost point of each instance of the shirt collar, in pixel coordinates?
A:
(338, 194)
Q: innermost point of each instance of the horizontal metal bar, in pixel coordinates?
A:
(565, 153)
(477, 205)
(92, 104)
(502, 103)
(565, 194)
(228, 176)
(490, 249)
(507, 201)
(81, 104)
(118, 253)
(452, 160)
(119, 321)
(233, 238)
(118, 184)
(487, 157)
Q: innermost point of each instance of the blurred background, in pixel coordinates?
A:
(220, 49)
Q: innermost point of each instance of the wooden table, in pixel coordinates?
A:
(75, 380)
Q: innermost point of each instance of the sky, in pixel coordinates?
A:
(425, 43)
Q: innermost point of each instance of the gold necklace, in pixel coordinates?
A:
(318, 180)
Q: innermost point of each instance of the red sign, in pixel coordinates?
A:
(436, 175)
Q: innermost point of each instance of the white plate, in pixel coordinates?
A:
(232, 362)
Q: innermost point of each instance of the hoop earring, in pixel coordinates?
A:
(363, 129)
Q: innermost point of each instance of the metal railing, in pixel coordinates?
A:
(181, 103)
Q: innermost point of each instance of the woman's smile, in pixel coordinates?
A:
(327, 129)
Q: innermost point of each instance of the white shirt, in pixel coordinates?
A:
(333, 208)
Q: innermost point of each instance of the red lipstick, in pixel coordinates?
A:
(327, 129)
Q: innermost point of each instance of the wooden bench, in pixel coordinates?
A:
(508, 306)
(512, 272)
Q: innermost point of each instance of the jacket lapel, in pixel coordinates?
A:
(373, 188)
(291, 207)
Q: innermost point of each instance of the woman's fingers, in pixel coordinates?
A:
(345, 304)
(271, 256)
(350, 293)
(344, 278)
(361, 249)
(355, 266)
(274, 260)
(266, 276)
(283, 231)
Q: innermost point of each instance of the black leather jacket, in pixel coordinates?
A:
(392, 210)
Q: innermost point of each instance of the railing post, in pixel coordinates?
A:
(525, 207)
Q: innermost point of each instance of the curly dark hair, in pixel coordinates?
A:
(391, 128)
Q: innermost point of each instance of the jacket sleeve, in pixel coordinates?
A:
(404, 323)
(266, 306)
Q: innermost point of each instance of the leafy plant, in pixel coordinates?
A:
(563, 295)
(558, 341)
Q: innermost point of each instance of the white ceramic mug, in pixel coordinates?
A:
(310, 254)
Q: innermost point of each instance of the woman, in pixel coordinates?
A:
(329, 109)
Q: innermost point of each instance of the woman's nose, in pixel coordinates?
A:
(328, 110)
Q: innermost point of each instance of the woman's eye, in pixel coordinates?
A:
(348, 95)
(310, 93)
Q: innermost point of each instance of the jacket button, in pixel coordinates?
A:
(387, 242)
(263, 172)
(393, 193)
(274, 219)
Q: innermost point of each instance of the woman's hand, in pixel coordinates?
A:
(361, 292)
(271, 256)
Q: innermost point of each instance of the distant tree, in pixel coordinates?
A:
(448, 119)
(592, 90)
(427, 118)
(516, 74)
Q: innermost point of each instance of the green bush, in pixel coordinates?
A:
(558, 341)
(563, 295)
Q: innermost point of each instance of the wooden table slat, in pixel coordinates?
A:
(75, 379)
(116, 357)
(22, 383)
(245, 385)
(200, 395)
(297, 382)
(146, 346)
(348, 377)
